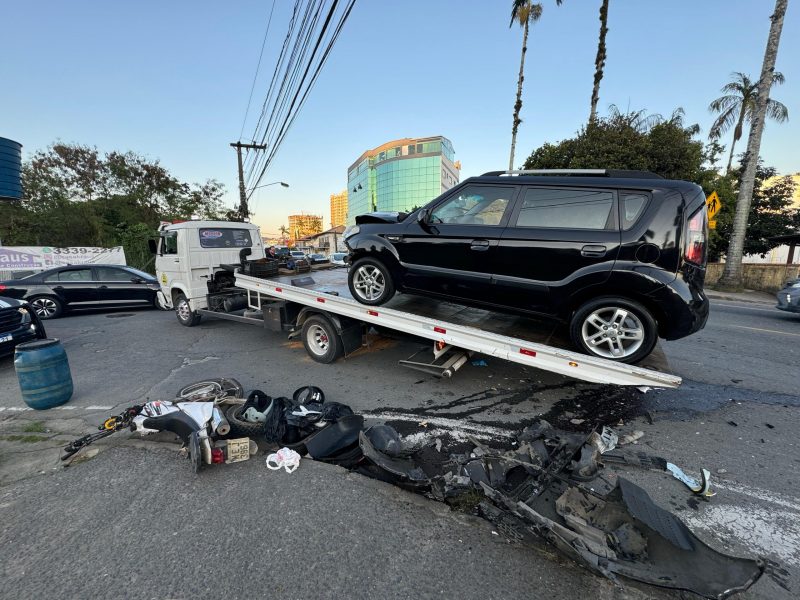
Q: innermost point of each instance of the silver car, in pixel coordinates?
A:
(789, 297)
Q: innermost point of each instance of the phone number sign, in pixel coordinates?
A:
(45, 257)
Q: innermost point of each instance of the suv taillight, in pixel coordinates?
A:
(696, 237)
(2, 287)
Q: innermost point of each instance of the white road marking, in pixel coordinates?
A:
(453, 424)
(773, 529)
(773, 311)
(767, 330)
(26, 408)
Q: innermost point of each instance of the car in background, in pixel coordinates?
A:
(318, 259)
(18, 323)
(789, 297)
(338, 259)
(619, 257)
(52, 292)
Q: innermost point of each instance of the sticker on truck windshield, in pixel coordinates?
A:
(225, 238)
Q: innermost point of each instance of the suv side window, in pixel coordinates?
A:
(632, 206)
(568, 209)
(474, 205)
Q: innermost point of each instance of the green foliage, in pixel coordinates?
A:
(669, 148)
(76, 196)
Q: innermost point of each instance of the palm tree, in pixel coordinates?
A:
(732, 275)
(284, 232)
(524, 13)
(600, 60)
(739, 104)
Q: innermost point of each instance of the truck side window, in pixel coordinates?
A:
(169, 244)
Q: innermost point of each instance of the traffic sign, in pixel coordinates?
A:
(714, 204)
(712, 224)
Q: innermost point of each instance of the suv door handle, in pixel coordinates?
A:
(593, 251)
(479, 245)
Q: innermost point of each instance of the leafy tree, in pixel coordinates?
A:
(738, 106)
(732, 275)
(76, 196)
(631, 140)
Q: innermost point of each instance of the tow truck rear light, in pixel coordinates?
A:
(2, 287)
(372, 313)
(440, 330)
(527, 352)
(696, 226)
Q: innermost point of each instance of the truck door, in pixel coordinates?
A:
(169, 263)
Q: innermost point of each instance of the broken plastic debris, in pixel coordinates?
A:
(479, 363)
(644, 388)
(285, 458)
(604, 441)
(701, 489)
(631, 438)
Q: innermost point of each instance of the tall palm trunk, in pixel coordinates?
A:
(600, 60)
(518, 103)
(732, 275)
(737, 133)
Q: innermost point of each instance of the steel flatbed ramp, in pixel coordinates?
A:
(517, 339)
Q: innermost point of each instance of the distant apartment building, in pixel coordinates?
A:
(401, 174)
(301, 226)
(339, 208)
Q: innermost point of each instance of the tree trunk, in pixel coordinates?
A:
(738, 130)
(599, 61)
(518, 103)
(732, 275)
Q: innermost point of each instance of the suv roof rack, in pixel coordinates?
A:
(584, 172)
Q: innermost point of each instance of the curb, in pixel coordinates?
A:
(738, 298)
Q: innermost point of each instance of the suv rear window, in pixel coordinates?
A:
(566, 209)
(224, 238)
(632, 207)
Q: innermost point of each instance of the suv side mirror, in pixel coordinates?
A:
(153, 245)
(422, 216)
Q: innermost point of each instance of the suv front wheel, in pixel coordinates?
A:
(614, 328)
(370, 282)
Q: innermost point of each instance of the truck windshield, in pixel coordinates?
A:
(224, 238)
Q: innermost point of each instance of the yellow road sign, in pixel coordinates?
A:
(712, 224)
(714, 204)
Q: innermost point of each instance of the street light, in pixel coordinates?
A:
(283, 183)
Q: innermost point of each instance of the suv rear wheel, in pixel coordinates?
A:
(614, 328)
(370, 282)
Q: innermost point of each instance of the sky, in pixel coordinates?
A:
(170, 80)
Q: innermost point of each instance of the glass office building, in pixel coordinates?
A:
(400, 175)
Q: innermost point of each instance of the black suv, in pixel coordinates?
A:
(618, 255)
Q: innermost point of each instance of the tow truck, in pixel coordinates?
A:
(217, 269)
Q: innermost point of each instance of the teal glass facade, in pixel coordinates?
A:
(400, 175)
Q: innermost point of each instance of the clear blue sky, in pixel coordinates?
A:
(170, 80)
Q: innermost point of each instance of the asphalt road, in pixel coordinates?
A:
(139, 519)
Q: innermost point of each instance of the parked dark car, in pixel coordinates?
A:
(620, 256)
(56, 290)
(18, 323)
(789, 297)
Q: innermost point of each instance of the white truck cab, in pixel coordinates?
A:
(191, 254)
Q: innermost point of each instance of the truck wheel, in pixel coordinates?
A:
(240, 427)
(186, 316)
(614, 328)
(370, 282)
(321, 340)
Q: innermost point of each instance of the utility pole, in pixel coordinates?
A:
(244, 211)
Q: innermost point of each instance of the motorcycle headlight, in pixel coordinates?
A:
(26, 315)
(351, 230)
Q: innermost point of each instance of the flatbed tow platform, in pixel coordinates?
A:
(319, 307)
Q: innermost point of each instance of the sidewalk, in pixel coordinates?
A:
(752, 296)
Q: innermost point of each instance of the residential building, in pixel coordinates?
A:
(301, 226)
(400, 175)
(339, 208)
(327, 242)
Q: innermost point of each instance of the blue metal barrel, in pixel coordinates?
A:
(43, 373)
(10, 167)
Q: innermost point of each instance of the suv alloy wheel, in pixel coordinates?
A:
(370, 282)
(614, 328)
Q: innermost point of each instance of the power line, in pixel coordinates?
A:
(258, 66)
